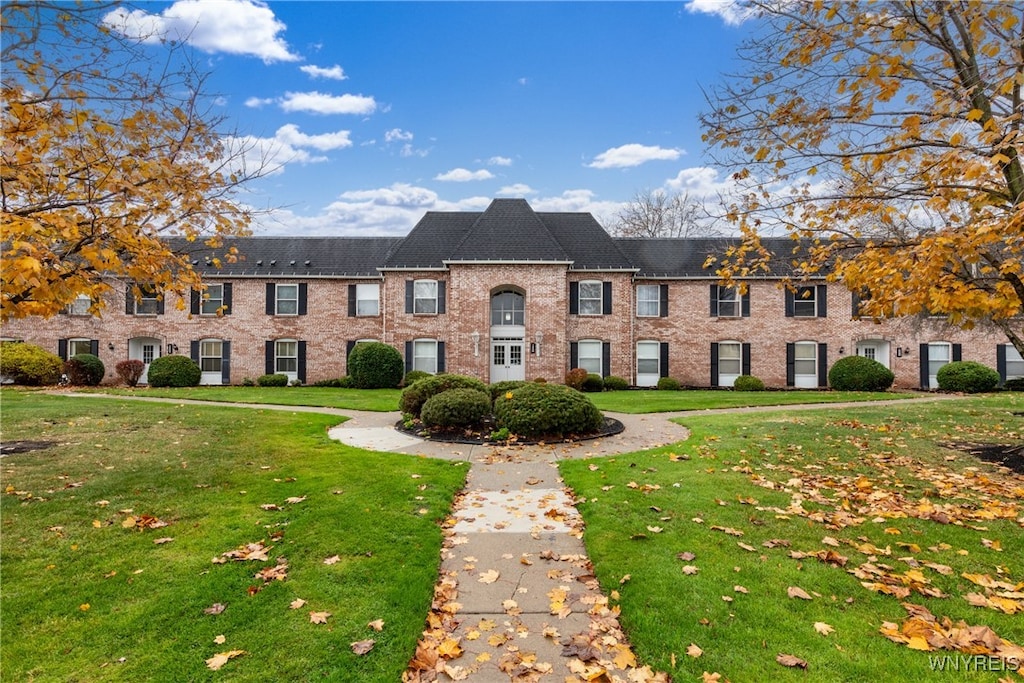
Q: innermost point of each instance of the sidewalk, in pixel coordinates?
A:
(516, 593)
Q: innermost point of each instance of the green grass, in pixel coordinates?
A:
(377, 400)
(652, 401)
(867, 457)
(206, 471)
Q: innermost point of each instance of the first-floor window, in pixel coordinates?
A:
(77, 346)
(210, 355)
(424, 355)
(286, 357)
(730, 362)
(939, 354)
(805, 364)
(648, 363)
(590, 356)
(1014, 363)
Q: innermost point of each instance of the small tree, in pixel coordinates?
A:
(375, 365)
(130, 371)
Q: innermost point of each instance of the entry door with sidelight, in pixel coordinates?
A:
(507, 360)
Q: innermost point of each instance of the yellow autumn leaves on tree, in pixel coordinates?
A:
(886, 139)
(107, 151)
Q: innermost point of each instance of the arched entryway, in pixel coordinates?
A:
(146, 349)
(875, 349)
(508, 332)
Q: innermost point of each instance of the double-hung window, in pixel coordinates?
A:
(424, 355)
(368, 299)
(808, 301)
(210, 355)
(648, 301)
(212, 300)
(286, 357)
(591, 297)
(147, 303)
(80, 306)
(729, 302)
(286, 300)
(590, 356)
(77, 346)
(425, 297)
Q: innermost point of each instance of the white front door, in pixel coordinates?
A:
(507, 360)
(146, 349)
(875, 349)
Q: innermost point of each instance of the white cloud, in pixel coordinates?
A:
(334, 73)
(289, 145)
(397, 134)
(257, 102)
(732, 12)
(700, 181)
(633, 155)
(238, 27)
(290, 135)
(499, 161)
(463, 175)
(322, 103)
(516, 190)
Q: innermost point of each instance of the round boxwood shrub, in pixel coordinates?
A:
(668, 384)
(456, 408)
(414, 396)
(412, 376)
(85, 369)
(375, 365)
(593, 383)
(29, 364)
(275, 380)
(499, 388)
(543, 410)
(575, 378)
(173, 371)
(613, 383)
(967, 376)
(748, 383)
(857, 373)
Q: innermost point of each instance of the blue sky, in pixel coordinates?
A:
(376, 112)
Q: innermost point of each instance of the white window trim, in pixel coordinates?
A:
(933, 382)
(144, 299)
(291, 374)
(656, 300)
(599, 358)
(648, 379)
(278, 299)
(78, 340)
(416, 298)
(80, 306)
(811, 301)
(205, 300)
(736, 300)
(727, 379)
(599, 299)
(416, 365)
(362, 298)
(1016, 359)
(805, 384)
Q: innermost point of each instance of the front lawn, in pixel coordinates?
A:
(654, 401)
(377, 400)
(110, 535)
(705, 541)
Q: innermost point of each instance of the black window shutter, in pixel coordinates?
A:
(606, 359)
(225, 362)
(855, 305)
(160, 306)
(714, 301)
(302, 362)
(194, 302)
(714, 364)
(574, 298)
(194, 351)
(574, 355)
(663, 365)
(789, 305)
(745, 303)
(957, 352)
(94, 347)
(271, 298)
(745, 362)
(823, 365)
(351, 301)
(822, 299)
(408, 348)
(606, 298)
(408, 296)
(129, 300)
(303, 297)
(790, 364)
(440, 356)
(1001, 362)
(227, 300)
(349, 345)
(441, 296)
(663, 304)
(269, 358)
(62, 348)
(924, 366)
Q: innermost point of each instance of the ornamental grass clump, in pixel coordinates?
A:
(547, 410)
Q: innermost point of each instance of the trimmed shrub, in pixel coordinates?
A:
(375, 365)
(593, 383)
(130, 371)
(414, 396)
(499, 388)
(967, 376)
(857, 373)
(613, 383)
(575, 378)
(275, 380)
(339, 383)
(669, 384)
(173, 371)
(748, 383)
(1014, 384)
(84, 369)
(537, 410)
(456, 408)
(29, 364)
(412, 376)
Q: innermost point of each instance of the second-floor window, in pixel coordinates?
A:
(213, 300)
(648, 301)
(287, 300)
(806, 302)
(368, 299)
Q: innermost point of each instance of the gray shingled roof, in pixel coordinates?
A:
(431, 240)
(589, 246)
(685, 257)
(509, 230)
(295, 256)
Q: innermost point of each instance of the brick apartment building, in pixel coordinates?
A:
(507, 293)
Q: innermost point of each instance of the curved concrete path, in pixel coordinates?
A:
(513, 558)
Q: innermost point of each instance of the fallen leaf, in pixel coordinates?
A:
(215, 608)
(694, 651)
(333, 559)
(218, 660)
(361, 647)
(823, 628)
(161, 541)
(791, 661)
(219, 640)
(377, 624)
(690, 569)
(297, 603)
(294, 499)
(489, 576)
(319, 617)
(797, 592)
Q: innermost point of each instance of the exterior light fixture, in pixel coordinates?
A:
(540, 340)
(475, 336)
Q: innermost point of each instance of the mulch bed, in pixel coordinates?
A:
(477, 437)
(1005, 454)
(10, 447)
